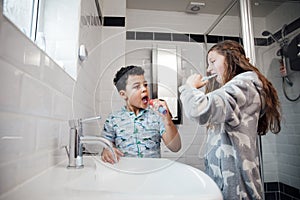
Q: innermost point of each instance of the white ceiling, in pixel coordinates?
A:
(215, 7)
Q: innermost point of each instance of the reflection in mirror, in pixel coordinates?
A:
(52, 25)
(166, 62)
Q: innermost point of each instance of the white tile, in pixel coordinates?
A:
(193, 150)
(36, 98)
(193, 160)
(8, 178)
(86, 80)
(12, 40)
(293, 140)
(62, 106)
(17, 136)
(57, 78)
(64, 133)
(114, 8)
(83, 96)
(271, 176)
(47, 134)
(32, 165)
(10, 84)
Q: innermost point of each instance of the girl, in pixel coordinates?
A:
(244, 106)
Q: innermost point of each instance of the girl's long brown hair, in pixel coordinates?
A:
(236, 63)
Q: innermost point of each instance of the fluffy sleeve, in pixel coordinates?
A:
(219, 106)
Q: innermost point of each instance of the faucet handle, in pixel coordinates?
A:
(89, 119)
(73, 123)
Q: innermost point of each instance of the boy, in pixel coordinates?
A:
(136, 130)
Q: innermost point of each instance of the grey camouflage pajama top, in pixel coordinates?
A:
(231, 114)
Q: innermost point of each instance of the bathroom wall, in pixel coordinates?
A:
(35, 103)
(37, 99)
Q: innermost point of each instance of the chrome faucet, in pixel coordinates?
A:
(77, 139)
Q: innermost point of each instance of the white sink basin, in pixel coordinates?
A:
(146, 178)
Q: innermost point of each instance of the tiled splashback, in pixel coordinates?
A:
(37, 99)
(35, 103)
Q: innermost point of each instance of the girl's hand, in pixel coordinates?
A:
(195, 81)
(107, 156)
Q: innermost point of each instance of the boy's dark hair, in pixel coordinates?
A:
(121, 76)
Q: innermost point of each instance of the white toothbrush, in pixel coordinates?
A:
(204, 78)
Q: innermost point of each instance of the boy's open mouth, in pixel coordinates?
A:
(145, 99)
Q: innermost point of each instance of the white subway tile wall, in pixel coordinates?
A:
(37, 99)
(29, 126)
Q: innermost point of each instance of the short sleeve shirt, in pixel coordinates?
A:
(135, 135)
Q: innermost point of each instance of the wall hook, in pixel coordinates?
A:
(82, 53)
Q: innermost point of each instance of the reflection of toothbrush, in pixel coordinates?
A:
(204, 78)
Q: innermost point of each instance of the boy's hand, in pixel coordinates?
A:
(107, 156)
(158, 104)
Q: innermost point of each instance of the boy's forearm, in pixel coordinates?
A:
(171, 137)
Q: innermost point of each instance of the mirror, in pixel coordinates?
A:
(164, 81)
(166, 61)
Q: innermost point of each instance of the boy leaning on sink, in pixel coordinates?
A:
(136, 129)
